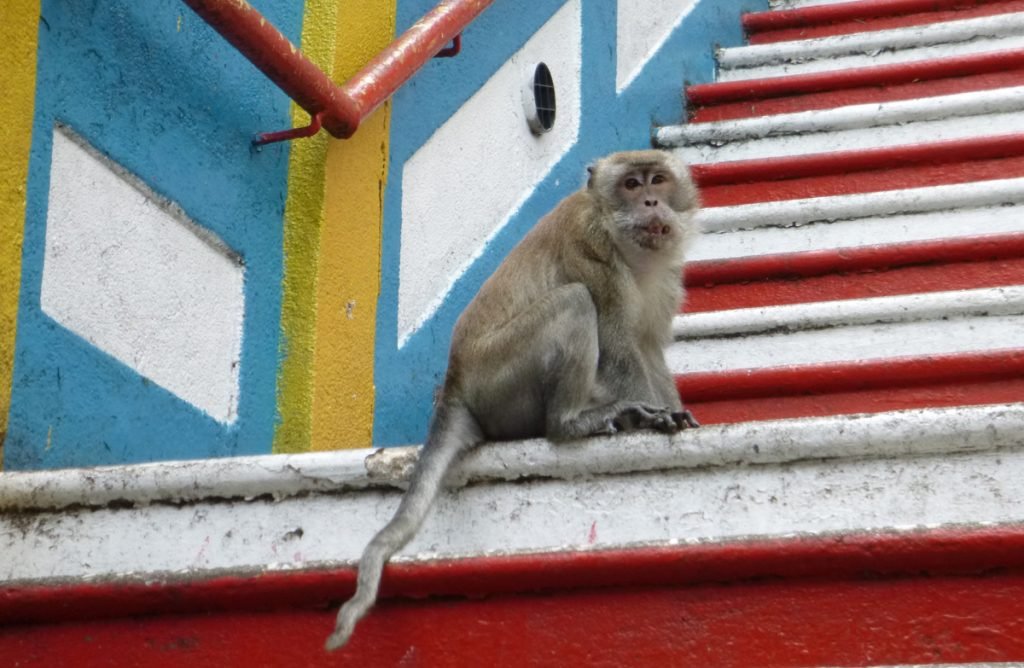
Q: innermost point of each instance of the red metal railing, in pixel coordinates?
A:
(340, 109)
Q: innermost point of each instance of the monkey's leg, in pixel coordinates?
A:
(542, 376)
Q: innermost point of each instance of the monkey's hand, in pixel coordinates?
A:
(684, 420)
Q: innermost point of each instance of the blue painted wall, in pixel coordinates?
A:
(406, 378)
(153, 87)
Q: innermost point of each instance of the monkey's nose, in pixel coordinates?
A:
(651, 202)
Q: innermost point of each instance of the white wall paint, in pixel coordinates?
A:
(128, 272)
(641, 28)
(464, 184)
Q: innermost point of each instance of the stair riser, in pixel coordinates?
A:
(870, 93)
(857, 128)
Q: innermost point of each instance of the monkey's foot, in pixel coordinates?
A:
(684, 420)
(641, 416)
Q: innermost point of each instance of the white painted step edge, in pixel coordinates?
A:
(982, 302)
(878, 435)
(982, 45)
(869, 43)
(794, 213)
(718, 133)
(886, 230)
(796, 4)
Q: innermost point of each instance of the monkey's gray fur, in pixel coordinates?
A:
(565, 340)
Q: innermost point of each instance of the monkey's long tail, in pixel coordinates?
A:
(452, 432)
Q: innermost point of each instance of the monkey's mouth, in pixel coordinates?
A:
(656, 228)
(652, 235)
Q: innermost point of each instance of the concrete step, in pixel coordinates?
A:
(857, 127)
(863, 386)
(781, 25)
(871, 49)
(855, 273)
(864, 355)
(148, 525)
(850, 221)
(938, 323)
(826, 90)
(781, 178)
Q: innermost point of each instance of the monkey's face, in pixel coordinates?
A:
(651, 203)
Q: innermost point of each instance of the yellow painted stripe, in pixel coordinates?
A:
(18, 34)
(348, 281)
(333, 219)
(303, 220)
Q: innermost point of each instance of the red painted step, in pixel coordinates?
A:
(871, 170)
(870, 386)
(863, 16)
(854, 273)
(949, 596)
(826, 90)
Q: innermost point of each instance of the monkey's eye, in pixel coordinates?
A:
(658, 178)
(631, 184)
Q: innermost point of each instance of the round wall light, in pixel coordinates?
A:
(539, 100)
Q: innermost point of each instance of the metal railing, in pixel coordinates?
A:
(337, 108)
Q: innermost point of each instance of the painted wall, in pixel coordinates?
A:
(467, 179)
(17, 78)
(150, 294)
(170, 292)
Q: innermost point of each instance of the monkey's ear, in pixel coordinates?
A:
(590, 176)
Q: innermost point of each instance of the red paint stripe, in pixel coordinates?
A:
(852, 273)
(951, 551)
(789, 167)
(897, 178)
(859, 622)
(869, 170)
(867, 15)
(837, 89)
(802, 17)
(866, 283)
(969, 392)
(845, 600)
(817, 263)
(848, 376)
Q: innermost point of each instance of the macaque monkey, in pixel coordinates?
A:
(566, 340)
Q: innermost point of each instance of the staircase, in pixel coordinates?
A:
(862, 169)
(852, 342)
